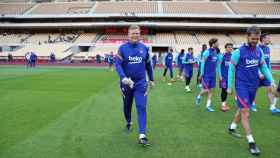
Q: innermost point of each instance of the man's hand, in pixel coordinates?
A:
(273, 88)
(151, 84)
(261, 76)
(128, 81)
(229, 91)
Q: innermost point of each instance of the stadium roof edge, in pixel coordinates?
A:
(192, 25)
(146, 15)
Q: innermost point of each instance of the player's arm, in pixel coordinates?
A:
(269, 66)
(177, 59)
(265, 70)
(164, 59)
(149, 67)
(218, 69)
(185, 60)
(118, 65)
(203, 60)
(261, 76)
(231, 72)
(199, 58)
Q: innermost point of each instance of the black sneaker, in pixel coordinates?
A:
(234, 133)
(253, 149)
(144, 141)
(129, 127)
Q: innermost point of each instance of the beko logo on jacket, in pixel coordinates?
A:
(251, 63)
(134, 60)
(214, 59)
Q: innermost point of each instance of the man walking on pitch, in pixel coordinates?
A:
(179, 63)
(199, 58)
(168, 65)
(188, 63)
(226, 59)
(209, 65)
(265, 41)
(246, 63)
(132, 63)
(154, 61)
(111, 61)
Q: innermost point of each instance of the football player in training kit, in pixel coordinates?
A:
(226, 59)
(168, 65)
(246, 62)
(265, 41)
(179, 63)
(210, 65)
(132, 63)
(188, 62)
(199, 58)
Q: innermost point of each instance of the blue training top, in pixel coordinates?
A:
(133, 60)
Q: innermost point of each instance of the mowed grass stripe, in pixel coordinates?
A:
(30, 103)
(94, 127)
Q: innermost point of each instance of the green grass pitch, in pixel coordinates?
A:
(56, 112)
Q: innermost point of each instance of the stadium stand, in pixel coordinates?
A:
(105, 49)
(62, 8)
(126, 7)
(204, 38)
(61, 51)
(238, 38)
(43, 38)
(142, 7)
(86, 38)
(255, 8)
(14, 1)
(119, 38)
(13, 38)
(185, 37)
(275, 38)
(14, 8)
(275, 55)
(164, 38)
(178, 7)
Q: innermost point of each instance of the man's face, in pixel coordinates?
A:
(134, 35)
(266, 40)
(253, 39)
(216, 44)
(229, 48)
(191, 51)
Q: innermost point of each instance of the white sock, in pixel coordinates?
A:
(275, 99)
(272, 106)
(208, 103)
(142, 136)
(250, 138)
(233, 125)
(224, 103)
